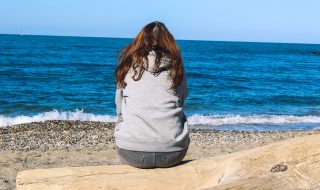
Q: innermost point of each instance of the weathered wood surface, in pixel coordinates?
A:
(290, 164)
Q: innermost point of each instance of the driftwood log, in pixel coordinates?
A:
(290, 164)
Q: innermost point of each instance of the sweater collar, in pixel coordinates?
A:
(164, 65)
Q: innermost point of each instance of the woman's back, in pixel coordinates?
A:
(153, 119)
(152, 130)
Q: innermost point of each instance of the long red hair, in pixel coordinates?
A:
(154, 36)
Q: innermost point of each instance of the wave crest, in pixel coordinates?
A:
(56, 115)
(196, 119)
(216, 120)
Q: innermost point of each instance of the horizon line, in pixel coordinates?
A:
(80, 36)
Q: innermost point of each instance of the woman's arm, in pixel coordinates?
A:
(184, 86)
(118, 101)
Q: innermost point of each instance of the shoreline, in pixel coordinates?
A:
(59, 143)
(73, 134)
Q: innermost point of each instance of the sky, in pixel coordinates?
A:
(291, 21)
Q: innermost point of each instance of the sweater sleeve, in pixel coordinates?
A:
(118, 101)
(184, 86)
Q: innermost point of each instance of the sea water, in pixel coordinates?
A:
(232, 85)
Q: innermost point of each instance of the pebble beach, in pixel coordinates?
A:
(58, 143)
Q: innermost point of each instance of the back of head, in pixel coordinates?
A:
(154, 37)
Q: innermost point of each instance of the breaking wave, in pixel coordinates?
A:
(196, 119)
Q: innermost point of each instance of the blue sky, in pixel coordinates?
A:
(224, 20)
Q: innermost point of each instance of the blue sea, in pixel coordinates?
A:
(232, 85)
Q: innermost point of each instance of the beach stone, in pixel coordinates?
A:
(249, 169)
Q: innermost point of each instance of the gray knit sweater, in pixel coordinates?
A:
(150, 115)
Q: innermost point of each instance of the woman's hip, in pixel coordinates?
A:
(141, 159)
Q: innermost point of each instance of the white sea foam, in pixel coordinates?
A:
(196, 119)
(56, 115)
(216, 120)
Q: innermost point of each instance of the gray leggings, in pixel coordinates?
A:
(145, 160)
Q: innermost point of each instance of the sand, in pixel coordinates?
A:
(53, 144)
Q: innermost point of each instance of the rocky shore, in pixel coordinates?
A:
(82, 143)
(59, 135)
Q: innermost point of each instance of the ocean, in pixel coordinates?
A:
(232, 85)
